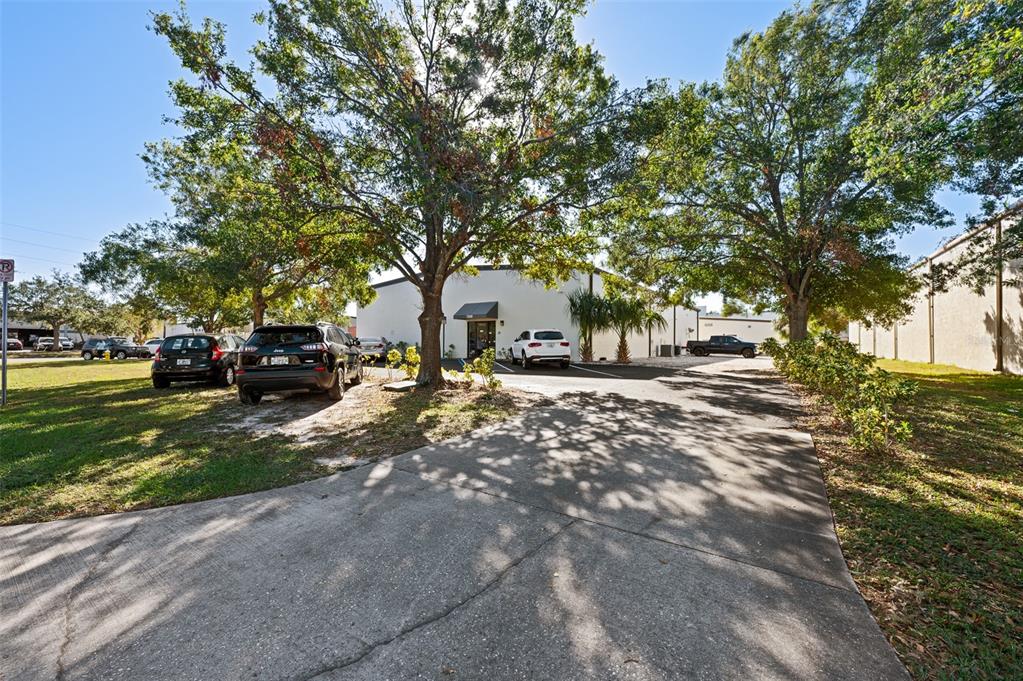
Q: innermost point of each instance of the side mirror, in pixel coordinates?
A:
(358, 342)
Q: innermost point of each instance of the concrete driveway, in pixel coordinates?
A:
(661, 523)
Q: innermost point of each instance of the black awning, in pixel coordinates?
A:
(477, 311)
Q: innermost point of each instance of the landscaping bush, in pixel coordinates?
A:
(862, 394)
(411, 365)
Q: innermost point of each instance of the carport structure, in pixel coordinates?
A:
(641, 528)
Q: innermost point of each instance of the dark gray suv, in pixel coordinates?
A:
(318, 357)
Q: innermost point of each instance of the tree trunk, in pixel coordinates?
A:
(430, 322)
(258, 308)
(586, 347)
(798, 312)
(623, 349)
(56, 339)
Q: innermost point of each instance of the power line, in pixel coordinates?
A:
(48, 231)
(32, 243)
(31, 257)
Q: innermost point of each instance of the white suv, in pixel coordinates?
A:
(541, 345)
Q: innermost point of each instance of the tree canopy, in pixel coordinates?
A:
(440, 133)
(58, 301)
(755, 188)
(947, 92)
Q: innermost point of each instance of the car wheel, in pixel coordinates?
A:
(160, 382)
(356, 378)
(86, 355)
(700, 352)
(515, 360)
(226, 378)
(336, 391)
(748, 354)
(249, 396)
(526, 363)
(565, 365)
(121, 354)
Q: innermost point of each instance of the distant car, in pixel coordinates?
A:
(153, 344)
(724, 345)
(119, 348)
(541, 346)
(377, 347)
(15, 344)
(296, 357)
(47, 343)
(196, 357)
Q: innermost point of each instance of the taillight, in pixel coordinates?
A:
(217, 353)
(564, 344)
(315, 347)
(156, 355)
(534, 345)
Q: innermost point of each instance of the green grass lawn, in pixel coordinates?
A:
(84, 438)
(933, 532)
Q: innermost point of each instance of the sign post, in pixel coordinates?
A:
(6, 276)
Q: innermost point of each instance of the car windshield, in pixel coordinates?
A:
(187, 343)
(548, 335)
(296, 336)
(370, 340)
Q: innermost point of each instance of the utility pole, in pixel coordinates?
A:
(999, 309)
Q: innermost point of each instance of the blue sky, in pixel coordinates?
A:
(84, 86)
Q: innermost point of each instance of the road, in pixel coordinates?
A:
(650, 523)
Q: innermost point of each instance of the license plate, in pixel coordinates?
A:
(183, 362)
(549, 345)
(279, 360)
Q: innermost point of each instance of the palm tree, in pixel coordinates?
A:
(628, 315)
(589, 311)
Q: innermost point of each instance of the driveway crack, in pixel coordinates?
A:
(410, 629)
(76, 590)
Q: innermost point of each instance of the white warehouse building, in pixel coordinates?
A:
(493, 308)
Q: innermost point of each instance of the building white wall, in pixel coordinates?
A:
(522, 304)
(752, 330)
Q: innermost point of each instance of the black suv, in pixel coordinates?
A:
(120, 348)
(196, 357)
(295, 357)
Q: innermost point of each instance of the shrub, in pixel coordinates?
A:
(484, 366)
(862, 394)
(412, 361)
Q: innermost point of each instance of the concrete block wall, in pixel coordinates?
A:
(963, 323)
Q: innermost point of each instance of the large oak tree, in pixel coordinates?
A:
(756, 190)
(443, 133)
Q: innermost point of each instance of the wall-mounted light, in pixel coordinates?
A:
(502, 322)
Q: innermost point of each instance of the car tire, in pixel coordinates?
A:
(87, 355)
(226, 378)
(336, 391)
(514, 359)
(748, 354)
(526, 362)
(249, 396)
(356, 378)
(160, 382)
(565, 365)
(700, 352)
(121, 354)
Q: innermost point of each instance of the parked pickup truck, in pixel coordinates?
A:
(725, 345)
